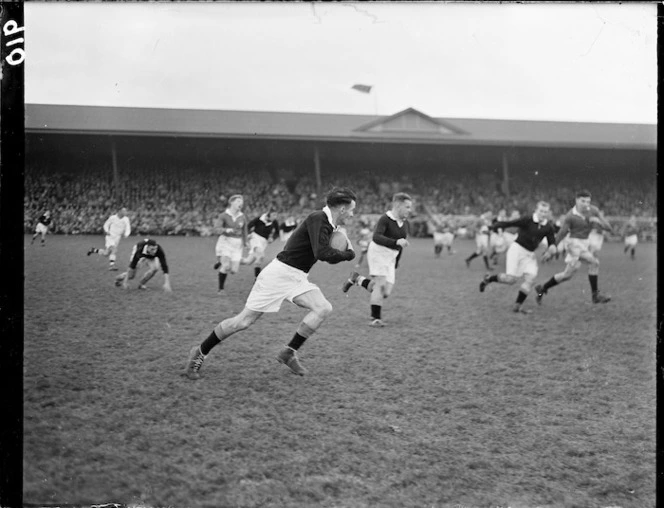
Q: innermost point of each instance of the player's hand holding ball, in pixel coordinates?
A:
(402, 242)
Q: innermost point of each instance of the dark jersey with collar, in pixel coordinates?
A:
(530, 233)
(45, 220)
(388, 231)
(141, 251)
(287, 227)
(264, 229)
(310, 242)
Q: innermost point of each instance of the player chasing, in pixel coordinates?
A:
(481, 240)
(521, 259)
(363, 242)
(151, 255)
(286, 228)
(286, 278)
(631, 234)
(578, 222)
(115, 227)
(385, 249)
(231, 241)
(41, 228)
(262, 230)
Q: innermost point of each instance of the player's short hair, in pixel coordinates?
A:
(235, 197)
(543, 203)
(583, 194)
(340, 196)
(400, 197)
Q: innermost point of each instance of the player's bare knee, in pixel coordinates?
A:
(324, 309)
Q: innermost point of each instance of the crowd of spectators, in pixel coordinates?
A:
(188, 201)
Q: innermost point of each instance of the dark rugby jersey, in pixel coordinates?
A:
(387, 232)
(140, 251)
(287, 227)
(264, 229)
(310, 242)
(530, 233)
(43, 219)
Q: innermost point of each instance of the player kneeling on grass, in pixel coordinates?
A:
(384, 252)
(286, 278)
(145, 253)
(521, 258)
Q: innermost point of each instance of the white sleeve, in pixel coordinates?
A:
(107, 225)
(128, 228)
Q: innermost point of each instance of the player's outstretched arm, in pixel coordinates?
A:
(167, 283)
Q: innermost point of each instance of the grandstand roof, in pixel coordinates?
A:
(407, 126)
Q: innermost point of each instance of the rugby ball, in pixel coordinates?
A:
(338, 241)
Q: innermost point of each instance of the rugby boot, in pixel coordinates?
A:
(539, 293)
(350, 282)
(288, 357)
(600, 298)
(484, 283)
(377, 323)
(194, 363)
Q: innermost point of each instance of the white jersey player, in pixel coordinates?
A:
(116, 227)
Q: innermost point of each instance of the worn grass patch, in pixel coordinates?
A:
(458, 402)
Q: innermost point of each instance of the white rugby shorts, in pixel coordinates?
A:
(113, 241)
(381, 262)
(519, 261)
(41, 229)
(277, 282)
(577, 250)
(229, 247)
(497, 242)
(595, 241)
(444, 239)
(482, 241)
(631, 240)
(257, 243)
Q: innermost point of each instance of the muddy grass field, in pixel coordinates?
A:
(458, 402)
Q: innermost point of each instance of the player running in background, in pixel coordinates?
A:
(385, 249)
(578, 222)
(481, 240)
(286, 278)
(497, 240)
(115, 227)
(363, 242)
(42, 226)
(521, 257)
(232, 239)
(630, 232)
(286, 228)
(262, 230)
(150, 254)
(443, 237)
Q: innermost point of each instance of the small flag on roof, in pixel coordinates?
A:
(362, 88)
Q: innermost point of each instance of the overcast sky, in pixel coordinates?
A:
(569, 62)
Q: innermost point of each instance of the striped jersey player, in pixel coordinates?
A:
(232, 239)
(521, 260)
(385, 249)
(578, 222)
